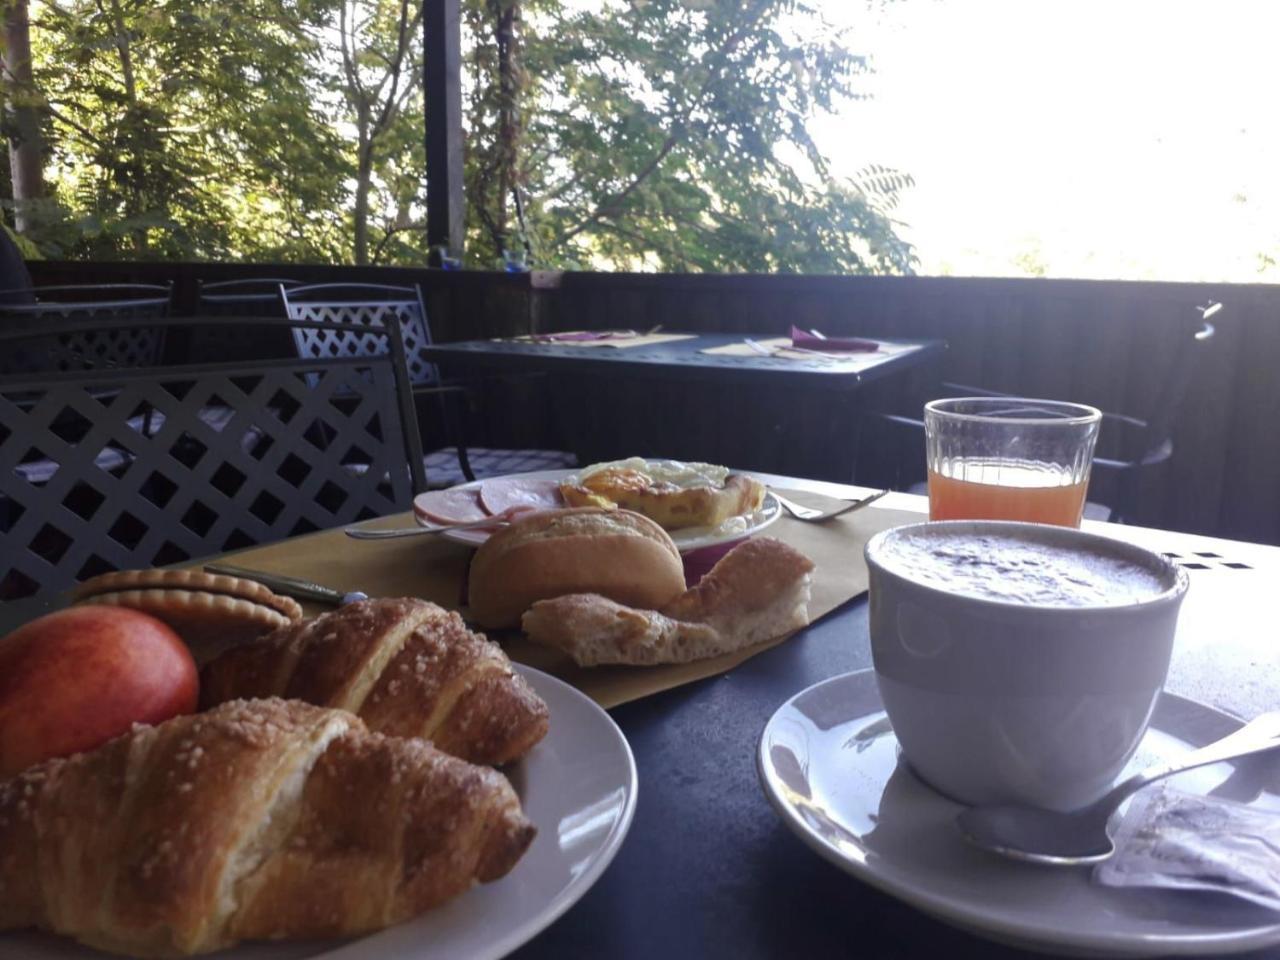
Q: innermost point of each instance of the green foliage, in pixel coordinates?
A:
(181, 130)
(650, 134)
(673, 135)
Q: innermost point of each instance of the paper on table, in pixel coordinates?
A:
(618, 339)
(433, 569)
(780, 347)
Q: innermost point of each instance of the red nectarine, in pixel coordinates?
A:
(74, 679)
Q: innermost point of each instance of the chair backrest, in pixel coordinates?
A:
(359, 308)
(1196, 338)
(56, 312)
(258, 297)
(122, 468)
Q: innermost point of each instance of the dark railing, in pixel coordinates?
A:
(1105, 343)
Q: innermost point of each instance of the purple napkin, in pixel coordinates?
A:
(806, 340)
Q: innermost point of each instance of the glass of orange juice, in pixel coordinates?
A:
(1009, 458)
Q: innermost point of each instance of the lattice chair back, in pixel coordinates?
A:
(255, 297)
(57, 312)
(126, 468)
(359, 309)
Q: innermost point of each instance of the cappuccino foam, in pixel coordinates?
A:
(1021, 569)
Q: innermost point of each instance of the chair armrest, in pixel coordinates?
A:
(439, 389)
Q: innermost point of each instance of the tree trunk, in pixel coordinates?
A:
(137, 171)
(364, 178)
(25, 162)
(505, 32)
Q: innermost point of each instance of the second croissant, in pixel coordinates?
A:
(406, 667)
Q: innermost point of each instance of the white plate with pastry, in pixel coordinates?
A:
(711, 490)
(577, 787)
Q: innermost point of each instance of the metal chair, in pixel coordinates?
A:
(257, 297)
(1131, 452)
(90, 348)
(364, 307)
(241, 453)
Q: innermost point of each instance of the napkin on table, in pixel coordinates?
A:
(579, 336)
(810, 340)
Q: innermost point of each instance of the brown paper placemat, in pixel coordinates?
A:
(433, 568)
(781, 349)
(621, 343)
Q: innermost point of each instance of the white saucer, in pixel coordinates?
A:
(828, 762)
(578, 786)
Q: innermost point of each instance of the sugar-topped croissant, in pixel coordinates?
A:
(408, 668)
(260, 819)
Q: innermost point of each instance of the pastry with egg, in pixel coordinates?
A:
(672, 493)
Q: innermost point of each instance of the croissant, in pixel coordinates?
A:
(408, 668)
(264, 819)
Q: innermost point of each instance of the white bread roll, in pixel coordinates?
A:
(615, 553)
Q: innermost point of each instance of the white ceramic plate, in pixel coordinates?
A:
(829, 764)
(578, 786)
(688, 539)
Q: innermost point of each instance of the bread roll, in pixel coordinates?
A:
(614, 553)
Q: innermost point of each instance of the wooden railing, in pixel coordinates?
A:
(1106, 343)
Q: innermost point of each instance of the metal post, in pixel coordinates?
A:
(442, 104)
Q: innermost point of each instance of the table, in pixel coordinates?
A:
(709, 870)
(679, 359)
(796, 415)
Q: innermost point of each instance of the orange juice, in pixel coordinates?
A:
(995, 490)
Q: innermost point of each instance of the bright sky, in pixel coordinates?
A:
(1135, 139)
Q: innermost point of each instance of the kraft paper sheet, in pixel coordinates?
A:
(434, 569)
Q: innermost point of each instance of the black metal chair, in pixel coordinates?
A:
(237, 453)
(362, 308)
(257, 297)
(126, 345)
(1132, 452)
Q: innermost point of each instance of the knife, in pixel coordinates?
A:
(290, 586)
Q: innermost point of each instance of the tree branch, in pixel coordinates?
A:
(611, 206)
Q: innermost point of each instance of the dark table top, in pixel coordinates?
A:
(682, 359)
(708, 869)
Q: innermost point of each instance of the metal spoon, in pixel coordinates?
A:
(1083, 836)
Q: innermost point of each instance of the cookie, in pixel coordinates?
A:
(194, 580)
(211, 612)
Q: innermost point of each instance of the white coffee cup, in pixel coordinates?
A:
(1019, 662)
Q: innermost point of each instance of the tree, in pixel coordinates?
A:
(21, 115)
(380, 45)
(181, 130)
(669, 134)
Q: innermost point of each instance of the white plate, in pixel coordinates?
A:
(829, 764)
(688, 539)
(578, 786)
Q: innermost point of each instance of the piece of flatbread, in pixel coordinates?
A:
(758, 591)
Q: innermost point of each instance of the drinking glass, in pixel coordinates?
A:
(1009, 458)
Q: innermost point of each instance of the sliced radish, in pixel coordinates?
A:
(504, 493)
(455, 505)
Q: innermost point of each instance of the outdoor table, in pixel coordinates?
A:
(812, 402)
(685, 359)
(708, 869)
